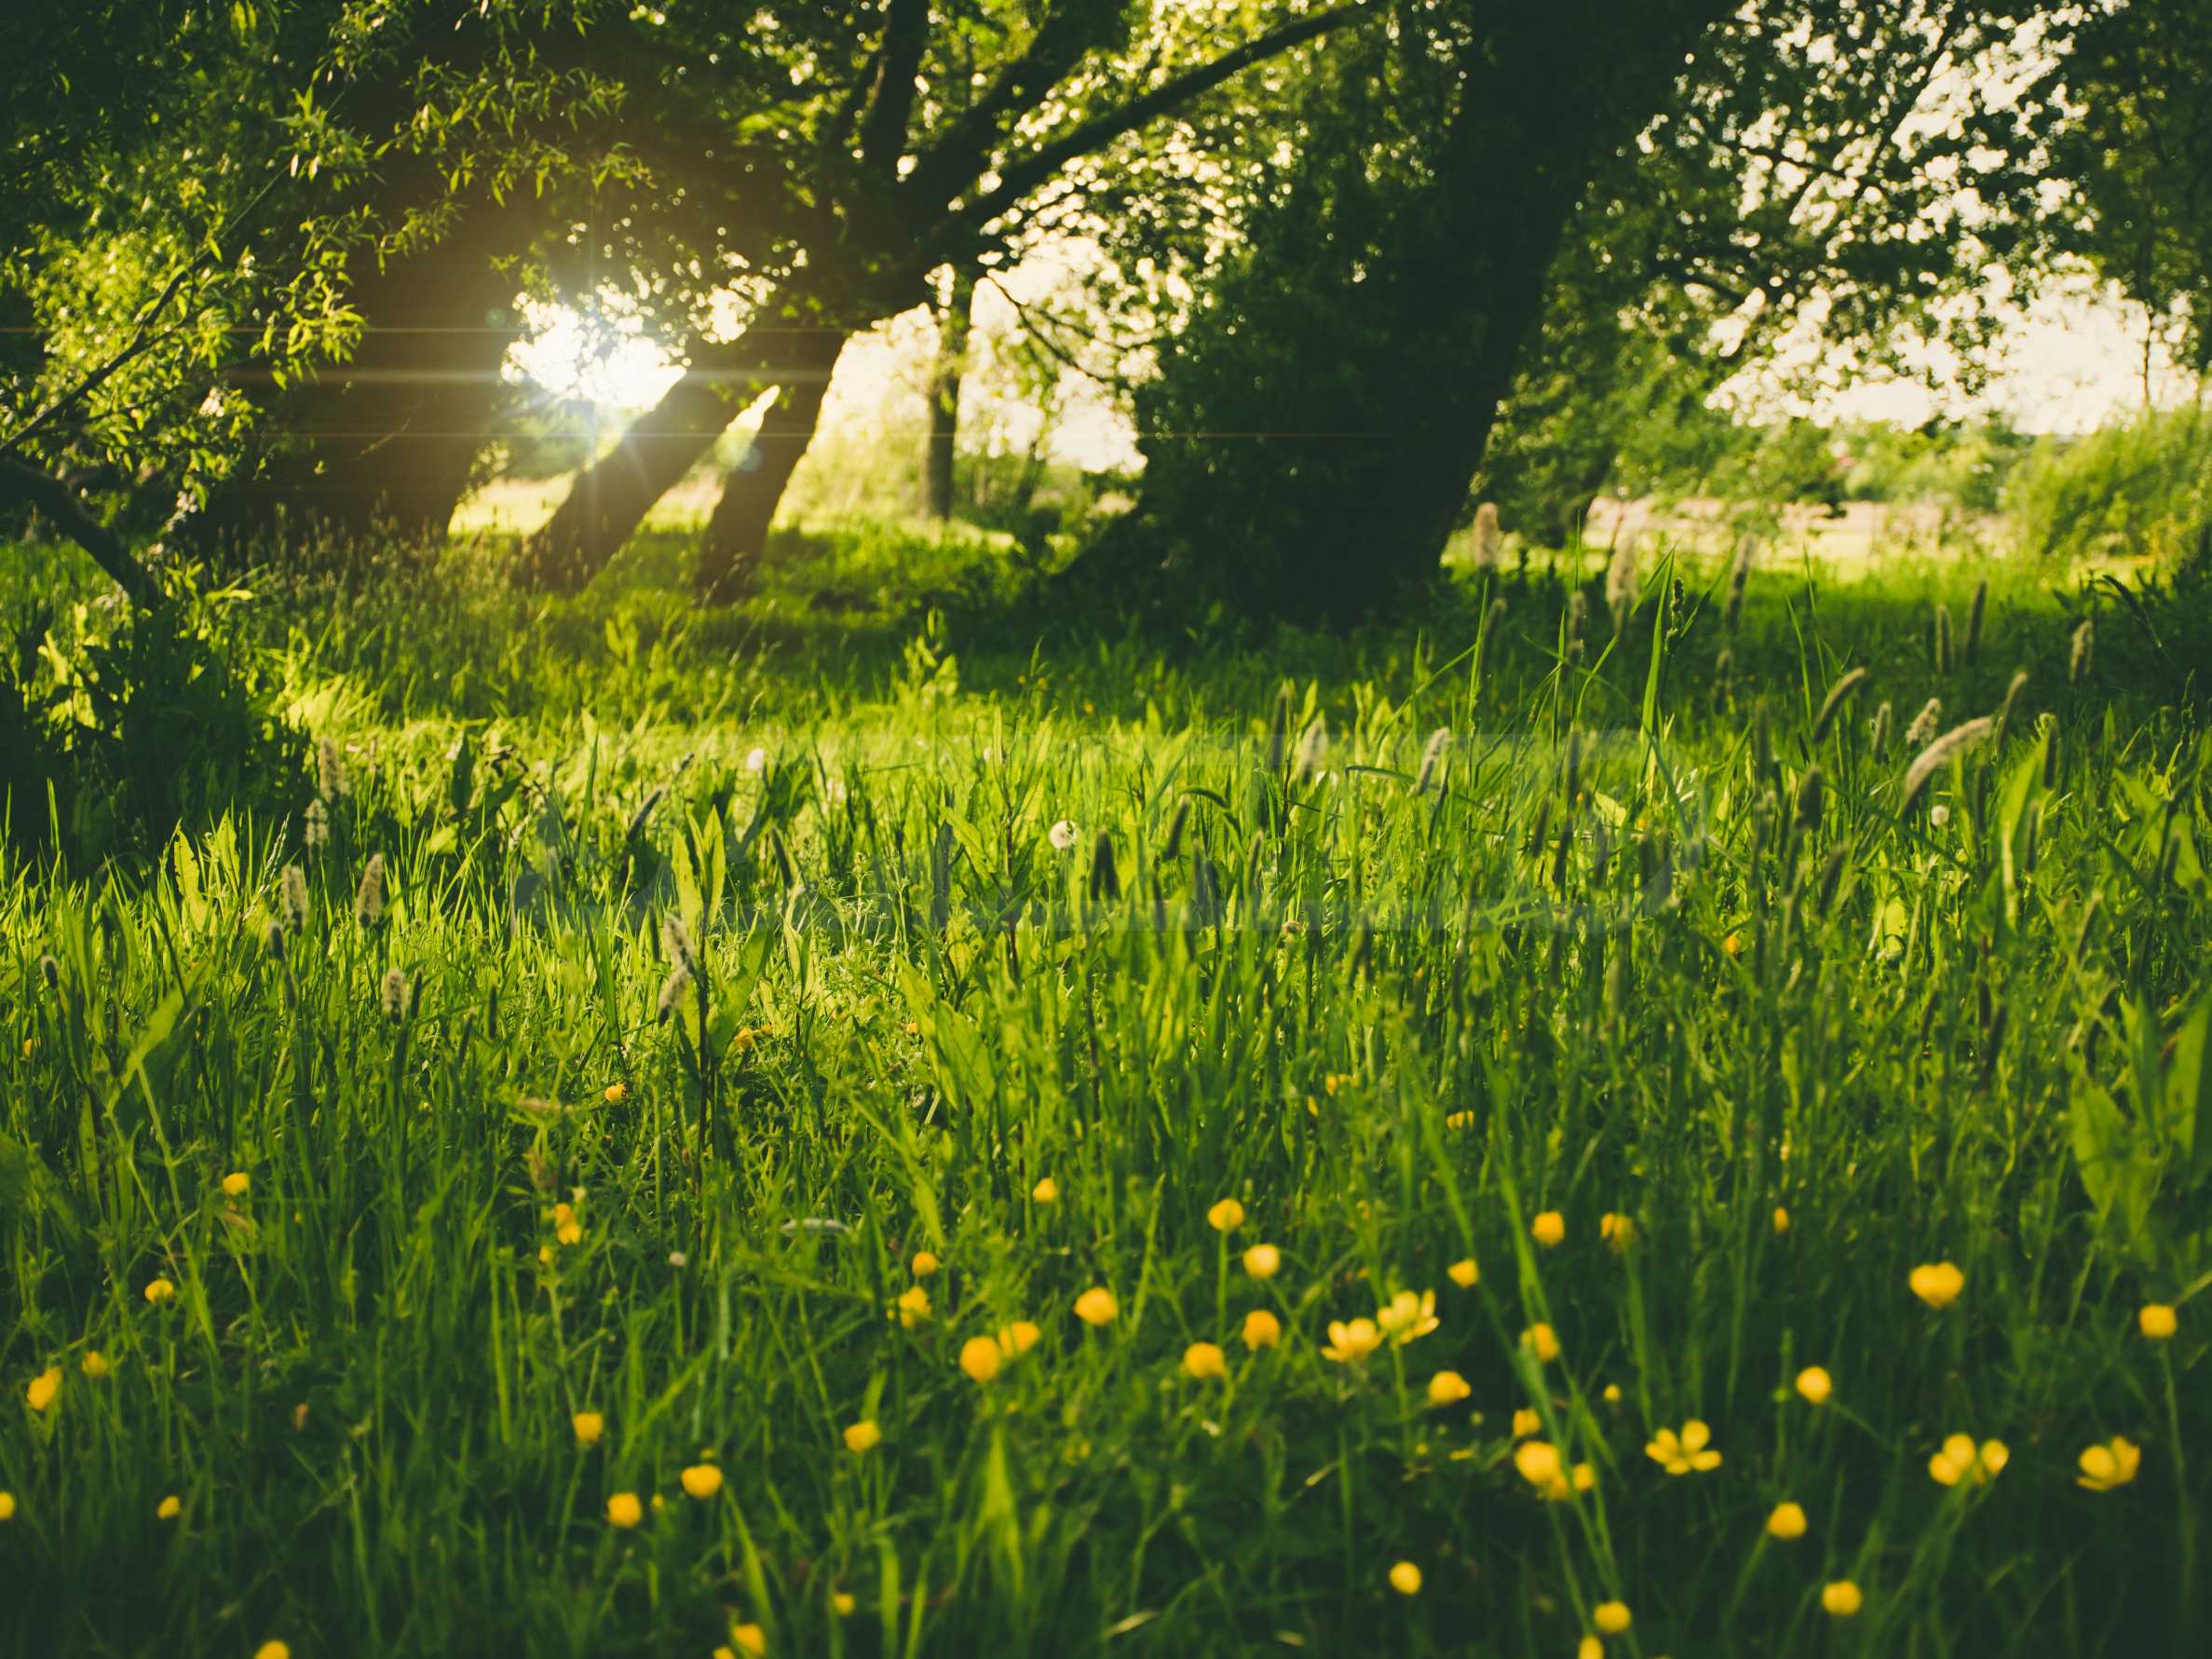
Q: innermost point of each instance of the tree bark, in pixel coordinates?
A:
(54, 499)
(945, 379)
(738, 532)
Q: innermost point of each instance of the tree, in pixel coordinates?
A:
(1753, 165)
(834, 204)
(946, 373)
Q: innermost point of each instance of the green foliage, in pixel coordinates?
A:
(1607, 952)
(2137, 489)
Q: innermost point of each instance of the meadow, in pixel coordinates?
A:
(865, 1123)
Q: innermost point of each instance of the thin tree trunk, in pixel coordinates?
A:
(738, 532)
(953, 316)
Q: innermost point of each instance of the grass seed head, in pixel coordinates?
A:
(396, 996)
(675, 939)
(1106, 882)
(331, 779)
(2084, 647)
(1878, 732)
(292, 898)
(1433, 753)
(2005, 710)
(49, 971)
(1832, 705)
(1489, 540)
(368, 898)
(1938, 755)
(671, 989)
(1973, 621)
(1175, 829)
(1925, 724)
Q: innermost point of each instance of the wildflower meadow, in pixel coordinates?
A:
(1522, 1133)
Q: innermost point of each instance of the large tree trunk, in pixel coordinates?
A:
(950, 370)
(738, 532)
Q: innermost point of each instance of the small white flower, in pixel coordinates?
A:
(1939, 815)
(756, 761)
(677, 1259)
(1063, 834)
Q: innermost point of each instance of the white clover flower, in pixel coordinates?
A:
(756, 761)
(1064, 835)
(1939, 815)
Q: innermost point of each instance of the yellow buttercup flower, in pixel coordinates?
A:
(273, 1649)
(2158, 1322)
(1841, 1598)
(1610, 1617)
(1961, 1460)
(1937, 1284)
(1463, 1273)
(1590, 1647)
(7, 1506)
(1262, 1329)
(1045, 1191)
(2110, 1464)
(924, 1264)
(168, 1508)
(750, 1640)
(1405, 1577)
(843, 1602)
(44, 1388)
(1226, 1216)
(1458, 1120)
(1018, 1338)
(237, 1184)
(1681, 1453)
(1097, 1306)
(1549, 1229)
(1781, 1220)
(94, 1365)
(1786, 1522)
(701, 1481)
(589, 1426)
(1263, 1261)
(1449, 1388)
(1542, 1467)
(566, 1228)
(1815, 1384)
(1612, 1394)
(159, 1290)
(623, 1510)
(1350, 1342)
(1527, 1421)
(862, 1438)
(1205, 1359)
(616, 1094)
(1620, 1231)
(912, 1307)
(1543, 1342)
(980, 1358)
(1407, 1316)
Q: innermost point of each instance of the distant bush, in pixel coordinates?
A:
(2141, 489)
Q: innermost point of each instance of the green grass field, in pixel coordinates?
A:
(443, 1270)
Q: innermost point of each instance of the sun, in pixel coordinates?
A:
(601, 358)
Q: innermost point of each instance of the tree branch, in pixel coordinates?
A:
(905, 37)
(53, 499)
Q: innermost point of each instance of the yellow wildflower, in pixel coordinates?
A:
(1610, 1617)
(750, 1639)
(1815, 1384)
(1407, 1316)
(1204, 1360)
(862, 1438)
(1458, 1120)
(7, 1506)
(168, 1508)
(980, 1358)
(1263, 1261)
(1226, 1216)
(1542, 1467)
(273, 1649)
(589, 1426)
(1781, 1220)
(1961, 1460)
(924, 1264)
(1681, 1453)
(1527, 1421)
(1351, 1342)
(2110, 1464)
(1463, 1273)
(44, 1388)
(94, 1365)
(1262, 1329)
(1620, 1231)
(159, 1290)
(1786, 1522)
(1045, 1191)
(1543, 1342)
(616, 1094)
(702, 1480)
(2157, 1321)
(1590, 1647)
(913, 1306)
(1449, 1388)
(1612, 1394)
(746, 1040)
(1549, 1229)
(1405, 1577)
(623, 1510)
(1841, 1598)
(1018, 1338)
(1937, 1284)
(1097, 1306)
(843, 1602)
(565, 1227)
(237, 1184)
